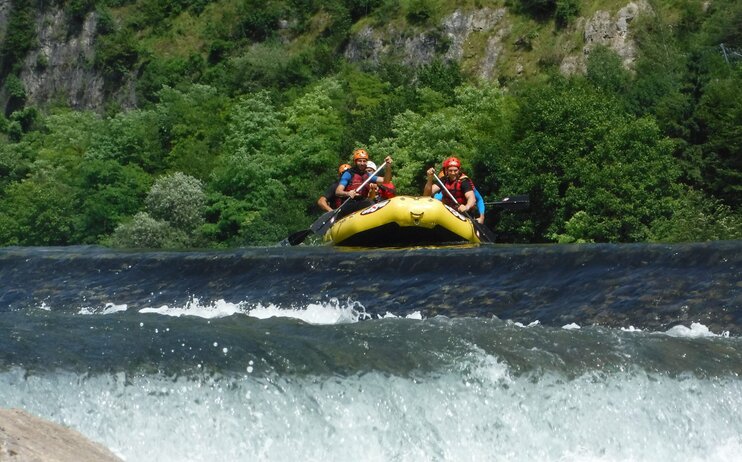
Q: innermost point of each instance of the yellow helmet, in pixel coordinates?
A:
(343, 168)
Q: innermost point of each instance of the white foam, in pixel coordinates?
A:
(630, 329)
(474, 410)
(194, 307)
(108, 308)
(314, 313)
(696, 330)
(332, 312)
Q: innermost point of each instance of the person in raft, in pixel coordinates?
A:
(329, 201)
(356, 176)
(459, 185)
(480, 200)
(379, 191)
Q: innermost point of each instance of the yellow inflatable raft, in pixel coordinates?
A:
(403, 221)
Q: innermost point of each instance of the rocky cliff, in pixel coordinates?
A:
(60, 69)
(480, 36)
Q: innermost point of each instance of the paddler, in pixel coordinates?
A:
(329, 201)
(379, 191)
(459, 185)
(355, 177)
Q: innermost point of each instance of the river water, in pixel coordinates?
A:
(313, 353)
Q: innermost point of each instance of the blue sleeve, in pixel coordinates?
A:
(438, 195)
(345, 179)
(480, 201)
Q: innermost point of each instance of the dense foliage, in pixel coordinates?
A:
(237, 136)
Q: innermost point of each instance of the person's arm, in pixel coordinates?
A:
(467, 187)
(471, 201)
(480, 201)
(322, 202)
(480, 205)
(430, 188)
(387, 171)
(340, 190)
(373, 189)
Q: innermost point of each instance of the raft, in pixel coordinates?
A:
(403, 221)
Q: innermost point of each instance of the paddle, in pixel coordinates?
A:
(323, 223)
(484, 233)
(521, 202)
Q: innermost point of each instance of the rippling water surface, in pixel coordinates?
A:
(514, 353)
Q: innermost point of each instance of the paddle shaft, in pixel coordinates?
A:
(363, 185)
(511, 200)
(319, 227)
(450, 196)
(483, 231)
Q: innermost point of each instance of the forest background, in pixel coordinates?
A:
(221, 121)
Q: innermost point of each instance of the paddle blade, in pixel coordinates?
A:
(322, 229)
(296, 238)
(521, 202)
(320, 226)
(483, 232)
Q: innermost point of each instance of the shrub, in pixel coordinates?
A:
(565, 11)
(179, 200)
(698, 217)
(145, 232)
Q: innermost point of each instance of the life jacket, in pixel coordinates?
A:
(356, 179)
(454, 187)
(387, 190)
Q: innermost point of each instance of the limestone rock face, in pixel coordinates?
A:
(60, 67)
(611, 31)
(4, 8)
(447, 42)
(26, 438)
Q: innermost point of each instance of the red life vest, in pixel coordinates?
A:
(454, 187)
(357, 179)
(387, 190)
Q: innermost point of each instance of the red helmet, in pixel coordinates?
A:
(360, 154)
(451, 162)
(343, 168)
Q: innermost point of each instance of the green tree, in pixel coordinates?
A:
(173, 219)
(312, 139)
(191, 126)
(131, 138)
(144, 232)
(698, 217)
(593, 172)
(719, 118)
(37, 211)
(178, 199)
(605, 70)
(108, 193)
(471, 129)
(19, 37)
(244, 197)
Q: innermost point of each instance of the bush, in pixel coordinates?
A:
(605, 70)
(145, 232)
(179, 200)
(20, 35)
(116, 55)
(565, 11)
(698, 217)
